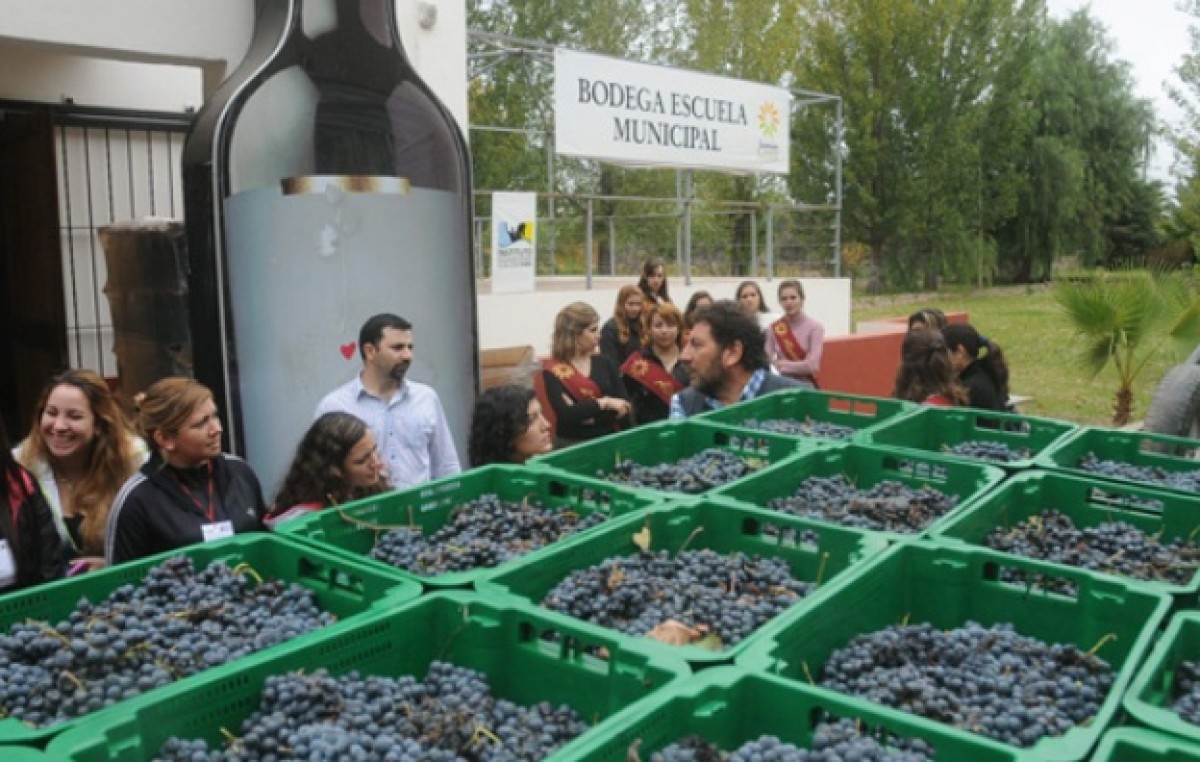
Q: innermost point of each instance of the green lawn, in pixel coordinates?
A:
(1038, 344)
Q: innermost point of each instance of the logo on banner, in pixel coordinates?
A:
(768, 126)
(511, 235)
(515, 239)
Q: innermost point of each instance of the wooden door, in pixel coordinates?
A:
(33, 318)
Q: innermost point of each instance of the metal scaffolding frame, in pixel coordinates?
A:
(500, 47)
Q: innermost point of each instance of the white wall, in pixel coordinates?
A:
(45, 43)
(507, 320)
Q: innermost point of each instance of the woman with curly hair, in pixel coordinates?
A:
(508, 427)
(336, 462)
(926, 375)
(621, 335)
(81, 449)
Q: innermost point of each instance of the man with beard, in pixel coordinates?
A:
(725, 357)
(405, 416)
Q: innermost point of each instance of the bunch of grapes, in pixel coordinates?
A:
(480, 534)
(887, 506)
(1113, 547)
(176, 623)
(691, 475)
(1187, 691)
(728, 596)
(831, 742)
(1188, 481)
(987, 680)
(996, 452)
(805, 428)
(450, 716)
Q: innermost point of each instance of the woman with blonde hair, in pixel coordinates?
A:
(189, 491)
(81, 449)
(622, 333)
(583, 388)
(655, 374)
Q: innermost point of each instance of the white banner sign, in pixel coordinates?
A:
(632, 113)
(514, 242)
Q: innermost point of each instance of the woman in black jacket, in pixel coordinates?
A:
(980, 366)
(31, 550)
(189, 491)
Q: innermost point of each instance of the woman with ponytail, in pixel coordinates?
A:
(979, 363)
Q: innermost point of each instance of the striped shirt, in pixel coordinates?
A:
(749, 392)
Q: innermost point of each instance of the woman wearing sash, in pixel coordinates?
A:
(795, 341)
(583, 387)
(655, 373)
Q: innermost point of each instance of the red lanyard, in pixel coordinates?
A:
(209, 509)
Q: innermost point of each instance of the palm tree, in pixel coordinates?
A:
(1125, 318)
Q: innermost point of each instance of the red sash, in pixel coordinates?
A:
(579, 386)
(787, 341)
(652, 376)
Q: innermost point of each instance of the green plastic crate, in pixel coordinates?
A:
(343, 587)
(667, 442)
(1137, 448)
(937, 429)
(507, 642)
(1087, 503)
(728, 707)
(352, 529)
(1151, 693)
(920, 582)
(853, 411)
(23, 754)
(865, 467)
(1135, 745)
(823, 555)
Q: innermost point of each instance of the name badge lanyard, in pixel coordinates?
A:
(209, 507)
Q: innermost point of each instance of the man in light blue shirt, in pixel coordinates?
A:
(405, 416)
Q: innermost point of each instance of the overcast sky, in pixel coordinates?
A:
(1152, 36)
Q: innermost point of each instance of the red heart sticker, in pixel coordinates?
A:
(348, 350)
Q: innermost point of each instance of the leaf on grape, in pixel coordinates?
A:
(674, 633)
(615, 578)
(642, 539)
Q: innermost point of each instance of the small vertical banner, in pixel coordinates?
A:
(514, 242)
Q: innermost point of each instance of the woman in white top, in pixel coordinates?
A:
(750, 297)
(81, 449)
